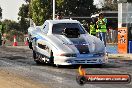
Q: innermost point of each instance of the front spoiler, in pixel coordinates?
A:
(78, 61)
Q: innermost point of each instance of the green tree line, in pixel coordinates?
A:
(41, 10)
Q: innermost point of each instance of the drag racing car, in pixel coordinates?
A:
(65, 42)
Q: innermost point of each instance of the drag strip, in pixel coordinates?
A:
(19, 61)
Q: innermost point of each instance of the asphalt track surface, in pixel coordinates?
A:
(19, 61)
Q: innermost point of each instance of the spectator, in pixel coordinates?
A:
(92, 29)
(102, 27)
(59, 16)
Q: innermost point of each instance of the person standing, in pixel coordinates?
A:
(59, 16)
(1, 28)
(92, 29)
(102, 27)
(4, 39)
(97, 31)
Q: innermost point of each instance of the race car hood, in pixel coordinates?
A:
(84, 44)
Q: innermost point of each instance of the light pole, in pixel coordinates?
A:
(53, 9)
(0, 27)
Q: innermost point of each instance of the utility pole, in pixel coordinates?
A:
(53, 9)
(0, 27)
(0, 34)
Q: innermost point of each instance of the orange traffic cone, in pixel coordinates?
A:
(15, 42)
(26, 43)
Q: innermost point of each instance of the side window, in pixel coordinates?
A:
(46, 27)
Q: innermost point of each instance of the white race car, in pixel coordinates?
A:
(65, 42)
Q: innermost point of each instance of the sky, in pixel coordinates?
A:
(10, 8)
(98, 3)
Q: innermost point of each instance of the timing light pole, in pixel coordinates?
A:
(53, 9)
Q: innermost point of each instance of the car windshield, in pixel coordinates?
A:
(58, 28)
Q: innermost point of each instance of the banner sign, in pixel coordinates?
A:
(122, 40)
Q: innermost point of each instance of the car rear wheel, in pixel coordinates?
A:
(36, 58)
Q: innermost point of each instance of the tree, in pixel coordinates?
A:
(11, 28)
(23, 11)
(10, 25)
(27, 1)
(0, 13)
(23, 25)
(41, 10)
(110, 5)
(23, 18)
(78, 7)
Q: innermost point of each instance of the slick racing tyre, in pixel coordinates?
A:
(36, 59)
